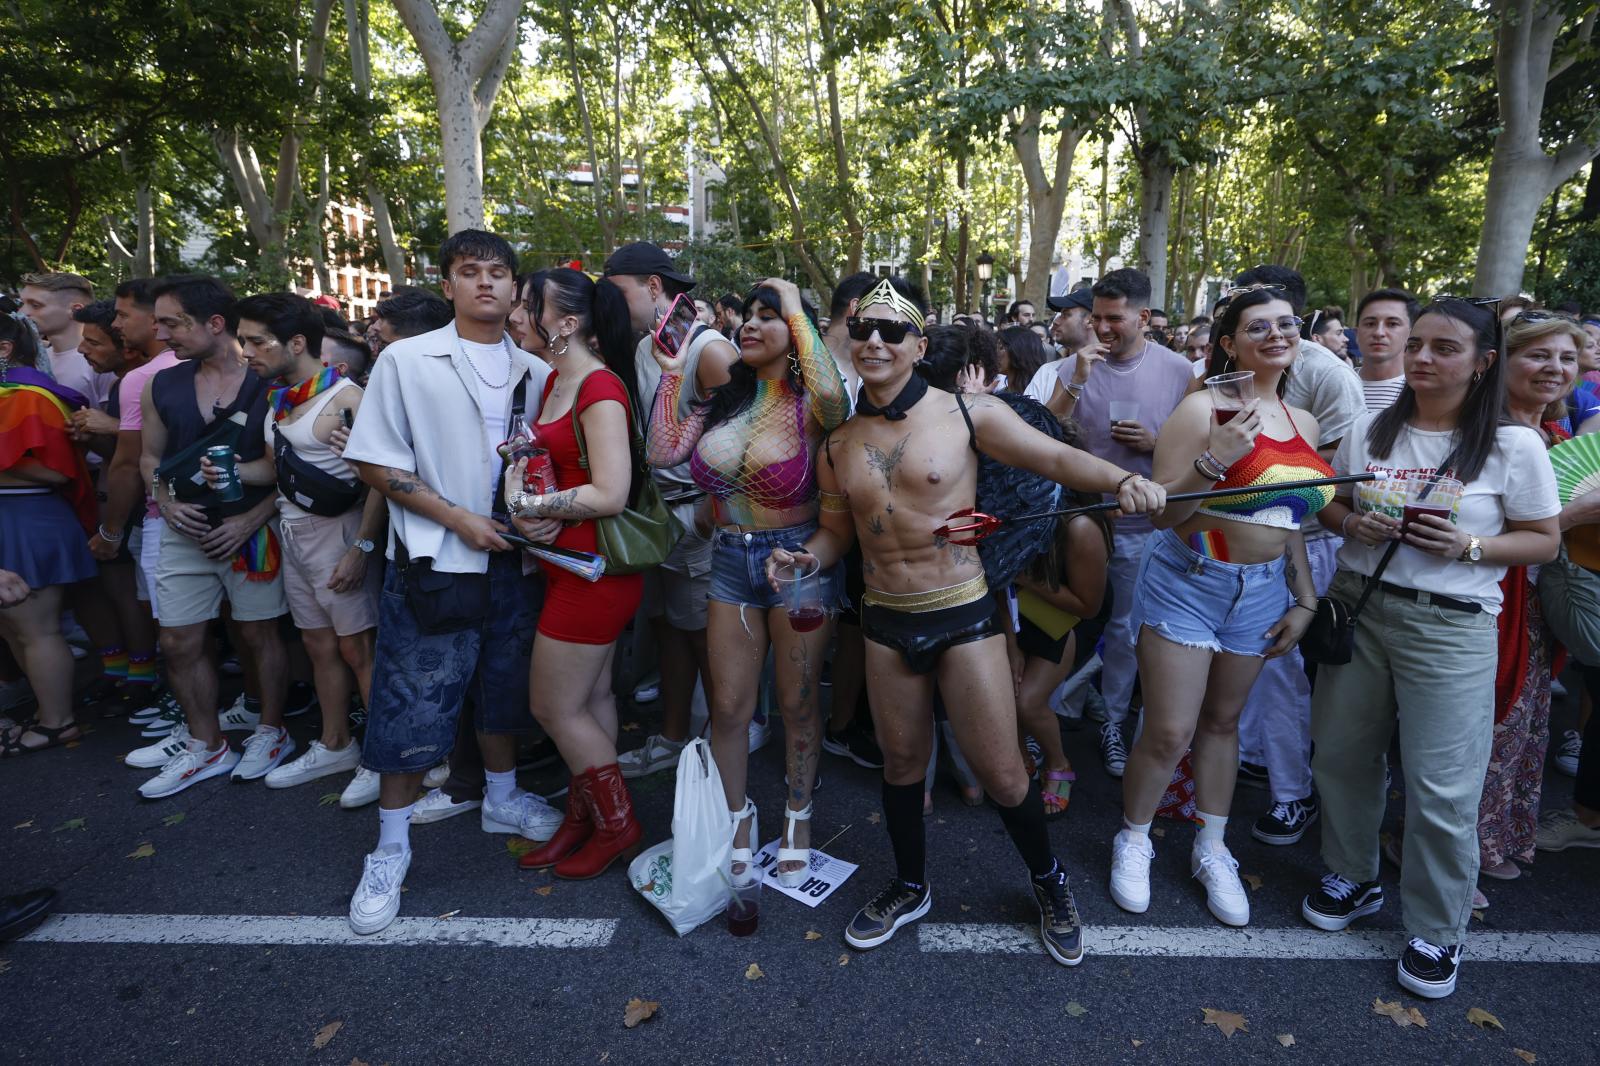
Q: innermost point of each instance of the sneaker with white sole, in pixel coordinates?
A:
(164, 723)
(189, 767)
(1571, 751)
(1214, 866)
(238, 718)
(436, 777)
(1286, 823)
(318, 761)
(164, 701)
(1130, 870)
(264, 752)
(657, 754)
(362, 790)
(1113, 752)
(154, 756)
(377, 897)
(525, 814)
(436, 806)
(1429, 970)
(301, 699)
(759, 735)
(1338, 901)
(1560, 830)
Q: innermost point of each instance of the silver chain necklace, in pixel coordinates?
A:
(479, 373)
(1111, 364)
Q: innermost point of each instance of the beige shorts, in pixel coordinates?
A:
(190, 587)
(312, 548)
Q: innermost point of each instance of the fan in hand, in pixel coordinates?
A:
(1577, 467)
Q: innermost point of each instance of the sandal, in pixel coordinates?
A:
(744, 855)
(1057, 791)
(794, 878)
(11, 745)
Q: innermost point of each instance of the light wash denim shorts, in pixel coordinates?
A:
(1205, 603)
(739, 567)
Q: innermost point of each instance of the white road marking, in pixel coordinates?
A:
(316, 930)
(1218, 942)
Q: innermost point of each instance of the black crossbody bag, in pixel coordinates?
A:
(1330, 640)
(309, 486)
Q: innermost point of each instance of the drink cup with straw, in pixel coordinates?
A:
(1429, 494)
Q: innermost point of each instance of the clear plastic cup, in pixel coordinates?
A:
(1231, 393)
(801, 587)
(1429, 494)
(1123, 411)
(744, 902)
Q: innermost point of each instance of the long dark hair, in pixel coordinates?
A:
(602, 314)
(739, 391)
(14, 327)
(1026, 353)
(1227, 324)
(1478, 421)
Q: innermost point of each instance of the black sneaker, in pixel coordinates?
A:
(856, 744)
(1113, 752)
(302, 700)
(1252, 774)
(897, 905)
(1340, 901)
(1429, 970)
(1058, 918)
(1287, 822)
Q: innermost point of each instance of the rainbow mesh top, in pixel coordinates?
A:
(1273, 462)
(759, 466)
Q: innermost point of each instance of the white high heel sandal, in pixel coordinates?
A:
(745, 855)
(794, 878)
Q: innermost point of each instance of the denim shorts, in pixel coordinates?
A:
(1205, 603)
(739, 567)
(422, 682)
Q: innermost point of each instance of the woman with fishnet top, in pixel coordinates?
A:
(752, 447)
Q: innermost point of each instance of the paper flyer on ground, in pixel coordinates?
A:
(826, 874)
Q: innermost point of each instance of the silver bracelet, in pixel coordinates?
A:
(107, 537)
(515, 502)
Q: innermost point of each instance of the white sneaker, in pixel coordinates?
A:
(1566, 759)
(1130, 870)
(189, 767)
(524, 814)
(237, 718)
(1218, 870)
(436, 807)
(264, 750)
(165, 703)
(759, 735)
(657, 754)
(156, 755)
(377, 897)
(362, 790)
(318, 761)
(436, 777)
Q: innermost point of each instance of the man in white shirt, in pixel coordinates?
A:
(457, 617)
(1383, 325)
(49, 301)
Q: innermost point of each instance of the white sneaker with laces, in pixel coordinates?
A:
(1214, 865)
(189, 767)
(759, 735)
(237, 718)
(525, 814)
(264, 750)
(436, 777)
(362, 790)
(657, 754)
(156, 755)
(436, 806)
(377, 897)
(318, 761)
(1130, 870)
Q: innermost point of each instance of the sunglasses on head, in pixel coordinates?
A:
(1475, 301)
(892, 331)
(1541, 315)
(1240, 290)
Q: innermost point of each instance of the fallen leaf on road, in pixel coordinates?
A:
(605, 1056)
(328, 799)
(1483, 1019)
(1137, 1043)
(1286, 1039)
(143, 851)
(753, 973)
(544, 890)
(325, 1035)
(844, 960)
(812, 934)
(639, 1010)
(874, 817)
(1394, 793)
(519, 846)
(70, 823)
(23, 825)
(1225, 1020)
(630, 727)
(451, 914)
(1252, 880)
(1076, 1009)
(1478, 915)
(1401, 1016)
(172, 819)
(965, 907)
(1158, 832)
(1526, 1056)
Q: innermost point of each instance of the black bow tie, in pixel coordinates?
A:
(895, 410)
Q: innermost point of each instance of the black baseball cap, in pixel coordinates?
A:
(641, 259)
(1067, 301)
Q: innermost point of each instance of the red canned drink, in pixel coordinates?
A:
(539, 476)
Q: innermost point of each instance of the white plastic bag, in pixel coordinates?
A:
(686, 877)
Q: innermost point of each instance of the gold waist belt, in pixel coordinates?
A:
(934, 600)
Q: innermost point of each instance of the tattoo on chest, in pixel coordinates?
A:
(886, 463)
(875, 525)
(959, 554)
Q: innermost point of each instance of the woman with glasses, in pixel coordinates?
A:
(1223, 585)
(752, 446)
(1425, 652)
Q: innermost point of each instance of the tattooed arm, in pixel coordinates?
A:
(606, 438)
(408, 490)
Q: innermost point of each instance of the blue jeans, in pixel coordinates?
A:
(421, 682)
(1205, 603)
(739, 567)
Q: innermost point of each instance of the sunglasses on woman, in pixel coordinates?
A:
(892, 331)
(1288, 326)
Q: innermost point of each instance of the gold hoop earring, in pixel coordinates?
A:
(566, 342)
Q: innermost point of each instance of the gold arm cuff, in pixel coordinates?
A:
(836, 502)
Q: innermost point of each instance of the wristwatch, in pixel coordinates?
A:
(1474, 552)
(366, 546)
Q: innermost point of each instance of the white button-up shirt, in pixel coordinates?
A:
(421, 413)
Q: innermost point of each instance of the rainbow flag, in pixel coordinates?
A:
(33, 426)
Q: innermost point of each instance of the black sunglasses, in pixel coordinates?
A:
(891, 331)
(1475, 301)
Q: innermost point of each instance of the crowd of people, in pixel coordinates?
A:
(351, 502)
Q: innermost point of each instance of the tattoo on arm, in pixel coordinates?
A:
(565, 504)
(886, 463)
(1290, 572)
(405, 483)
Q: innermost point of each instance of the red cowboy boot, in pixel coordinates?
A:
(575, 828)
(616, 830)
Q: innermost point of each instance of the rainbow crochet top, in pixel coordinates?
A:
(1273, 462)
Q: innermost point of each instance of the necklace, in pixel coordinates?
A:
(478, 372)
(1111, 364)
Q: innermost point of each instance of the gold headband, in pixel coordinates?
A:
(885, 294)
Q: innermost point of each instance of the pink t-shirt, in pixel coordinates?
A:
(131, 388)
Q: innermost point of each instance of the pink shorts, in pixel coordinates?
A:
(312, 548)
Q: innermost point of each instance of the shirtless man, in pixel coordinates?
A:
(893, 473)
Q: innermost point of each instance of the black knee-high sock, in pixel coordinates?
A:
(1025, 822)
(902, 816)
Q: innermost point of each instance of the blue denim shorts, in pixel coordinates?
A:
(1205, 603)
(421, 683)
(739, 567)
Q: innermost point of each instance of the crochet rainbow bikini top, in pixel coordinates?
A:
(1273, 462)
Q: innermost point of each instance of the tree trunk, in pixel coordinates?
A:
(1155, 211)
(1046, 200)
(608, 235)
(962, 286)
(841, 154)
(1103, 257)
(144, 252)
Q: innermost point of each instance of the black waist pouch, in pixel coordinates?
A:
(442, 602)
(309, 486)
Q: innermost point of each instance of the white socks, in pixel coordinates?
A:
(498, 787)
(1209, 827)
(394, 827)
(1139, 828)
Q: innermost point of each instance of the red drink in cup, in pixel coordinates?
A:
(805, 619)
(1413, 510)
(1225, 416)
(801, 586)
(1231, 393)
(744, 902)
(1428, 494)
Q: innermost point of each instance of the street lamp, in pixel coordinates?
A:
(985, 272)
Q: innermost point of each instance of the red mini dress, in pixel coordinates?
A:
(575, 610)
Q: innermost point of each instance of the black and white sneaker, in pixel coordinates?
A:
(1429, 970)
(898, 904)
(1252, 774)
(302, 699)
(1035, 753)
(1113, 752)
(1287, 822)
(1059, 927)
(1338, 901)
(1566, 759)
(856, 744)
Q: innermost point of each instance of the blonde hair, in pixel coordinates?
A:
(60, 282)
(1524, 331)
